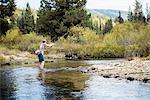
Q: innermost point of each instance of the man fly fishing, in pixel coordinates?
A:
(40, 53)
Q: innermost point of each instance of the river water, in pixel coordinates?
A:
(28, 83)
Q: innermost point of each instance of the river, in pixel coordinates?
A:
(28, 83)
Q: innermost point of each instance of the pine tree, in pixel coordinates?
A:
(108, 26)
(7, 8)
(4, 26)
(130, 15)
(21, 22)
(11, 7)
(29, 20)
(138, 15)
(57, 16)
(26, 21)
(119, 19)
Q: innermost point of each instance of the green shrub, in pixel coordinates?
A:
(81, 40)
(30, 42)
(14, 39)
(82, 35)
(102, 50)
(128, 39)
(134, 37)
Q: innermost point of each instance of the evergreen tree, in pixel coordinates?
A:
(26, 21)
(108, 26)
(130, 15)
(29, 20)
(4, 26)
(11, 7)
(21, 22)
(119, 19)
(7, 8)
(138, 15)
(57, 16)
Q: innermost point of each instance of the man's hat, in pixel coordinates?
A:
(44, 40)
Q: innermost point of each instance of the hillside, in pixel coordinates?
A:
(108, 13)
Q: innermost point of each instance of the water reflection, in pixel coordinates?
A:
(31, 84)
(65, 83)
(6, 80)
(41, 76)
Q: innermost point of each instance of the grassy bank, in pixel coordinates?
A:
(125, 40)
(16, 46)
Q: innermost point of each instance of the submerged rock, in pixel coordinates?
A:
(130, 78)
(107, 76)
(145, 80)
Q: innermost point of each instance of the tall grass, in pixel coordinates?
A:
(128, 39)
(14, 39)
(86, 42)
(133, 37)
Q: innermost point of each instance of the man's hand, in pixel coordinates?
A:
(50, 45)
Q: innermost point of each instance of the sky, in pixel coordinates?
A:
(92, 4)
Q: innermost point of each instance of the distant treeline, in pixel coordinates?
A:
(54, 19)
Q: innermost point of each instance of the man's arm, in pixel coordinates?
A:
(50, 45)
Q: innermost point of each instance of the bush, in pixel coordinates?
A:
(30, 42)
(107, 51)
(82, 35)
(14, 39)
(81, 41)
(125, 40)
(133, 37)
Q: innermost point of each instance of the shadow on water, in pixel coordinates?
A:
(64, 84)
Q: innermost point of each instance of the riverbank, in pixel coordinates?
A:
(24, 58)
(17, 59)
(136, 69)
